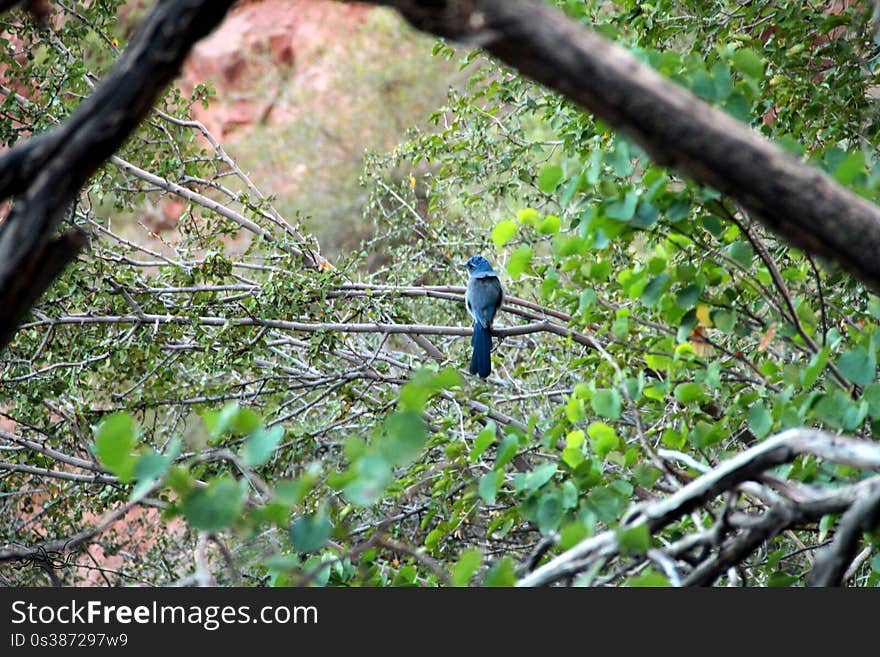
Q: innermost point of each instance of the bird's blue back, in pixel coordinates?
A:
(483, 297)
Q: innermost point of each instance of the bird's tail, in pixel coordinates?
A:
(482, 345)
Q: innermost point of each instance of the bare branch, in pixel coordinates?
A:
(46, 172)
(831, 563)
(782, 448)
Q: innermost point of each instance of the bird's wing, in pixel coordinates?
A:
(486, 295)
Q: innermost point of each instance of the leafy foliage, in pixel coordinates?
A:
(345, 458)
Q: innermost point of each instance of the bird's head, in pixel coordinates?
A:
(477, 264)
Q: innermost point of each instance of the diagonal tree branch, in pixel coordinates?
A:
(46, 172)
(676, 128)
(749, 465)
(832, 562)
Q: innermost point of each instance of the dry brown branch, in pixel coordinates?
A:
(745, 534)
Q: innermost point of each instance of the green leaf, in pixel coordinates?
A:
(260, 446)
(688, 296)
(432, 540)
(372, 475)
(760, 420)
(810, 374)
(575, 439)
(649, 579)
(831, 408)
(550, 225)
(780, 578)
(518, 264)
(646, 216)
(151, 466)
(216, 506)
(481, 443)
(871, 395)
(634, 539)
(406, 576)
(114, 442)
(595, 167)
(148, 469)
(678, 210)
(874, 306)
(572, 457)
(603, 438)
(574, 410)
(549, 178)
(310, 532)
(703, 85)
(606, 503)
(501, 574)
(504, 232)
(724, 320)
(620, 159)
(572, 534)
(538, 477)
(852, 166)
(826, 522)
(654, 289)
(858, 366)
(489, 485)
(549, 512)
(658, 362)
(528, 216)
(320, 567)
(685, 393)
(607, 403)
(722, 81)
(747, 61)
(294, 491)
(506, 451)
(405, 436)
(232, 419)
(466, 566)
(623, 210)
(180, 480)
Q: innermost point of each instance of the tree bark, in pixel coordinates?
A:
(675, 127)
(46, 172)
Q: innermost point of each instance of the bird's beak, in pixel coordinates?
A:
(462, 265)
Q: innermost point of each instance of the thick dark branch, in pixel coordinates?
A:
(741, 546)
(105, 119)
(46, 172)
(34, 278)
(783, 515)
(6, 5)
(832, 562)
(675, 127)
(782, 448)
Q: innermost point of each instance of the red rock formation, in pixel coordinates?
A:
(261, 42)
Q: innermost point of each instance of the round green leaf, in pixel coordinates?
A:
(747, 61)
(549, 178)
(503, 232)
(309, 532)
(607, 403)
(216, 506)
(260, 446)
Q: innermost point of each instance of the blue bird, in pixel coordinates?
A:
(483, 298)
